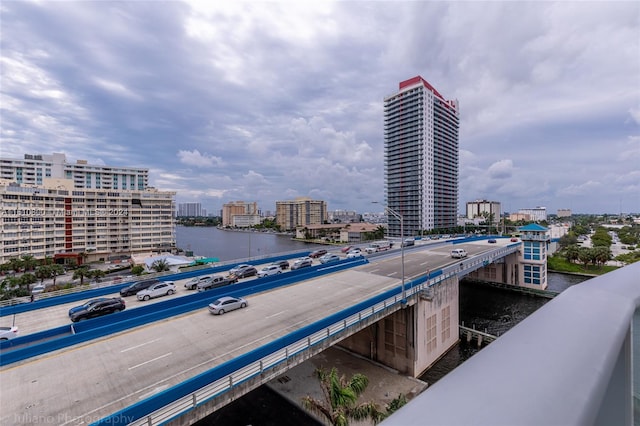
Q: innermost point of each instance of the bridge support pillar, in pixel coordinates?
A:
(410, 340)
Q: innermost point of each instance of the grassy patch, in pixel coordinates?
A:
(560, 264)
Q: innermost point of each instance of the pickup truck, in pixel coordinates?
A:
(216, 281)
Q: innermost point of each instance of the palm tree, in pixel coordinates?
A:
(379, 232)
(339, 405)
(55, 271)
(29, 262)
(81, 273)
(160, 265)
(43, 272)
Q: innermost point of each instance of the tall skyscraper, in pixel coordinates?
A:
(421, 158)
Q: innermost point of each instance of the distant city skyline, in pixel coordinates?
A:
(271, 101)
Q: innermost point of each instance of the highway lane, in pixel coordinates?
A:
(89, 381)
(93, 380)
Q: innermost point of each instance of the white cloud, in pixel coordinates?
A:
(195, 158)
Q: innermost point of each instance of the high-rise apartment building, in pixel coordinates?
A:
(300, 212)
(48, 212)
(190, 210)
(33, 169)
(421, 158)
(229, 210)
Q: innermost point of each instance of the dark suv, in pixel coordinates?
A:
(136, 287)
(283, 264)
(98, 309)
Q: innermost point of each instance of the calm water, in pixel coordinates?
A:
(230, 245)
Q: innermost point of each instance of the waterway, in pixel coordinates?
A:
(231, 245)
(486, 308)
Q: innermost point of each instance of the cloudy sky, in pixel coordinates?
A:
(265, 101)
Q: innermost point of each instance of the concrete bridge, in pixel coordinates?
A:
(181, 369)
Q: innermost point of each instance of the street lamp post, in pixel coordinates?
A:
(399, 217)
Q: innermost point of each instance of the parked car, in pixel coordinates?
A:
(458, 253)
(86, 305)
(38, 288)
(248, 271)
(226, 304)
(346, 249)
(138, 286)
(283, 264)
(329, 258)
(491, 241)
(302, 263)
(104, 307)
(317, 253)
(217, 281)
(163, 288)
(269, 270)
(7, 333)
(192, 284)
(235, 269)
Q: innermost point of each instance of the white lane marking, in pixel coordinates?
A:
(151, 360)
(424, 263)
(138, 346)
(154, 391)
(393, 273)
(275, 315)
(374, 271)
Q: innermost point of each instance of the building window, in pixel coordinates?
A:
(432, 336)
(532, 250)
(446, 323)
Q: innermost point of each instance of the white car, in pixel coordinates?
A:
(354, 254)
(163, 288)
(458, 253)
(269, 270)
(7, 333)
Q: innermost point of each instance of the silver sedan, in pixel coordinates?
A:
(226, 304)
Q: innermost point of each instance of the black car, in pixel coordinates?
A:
(317, 253)
(136, 287)
(248, 271)
(98, 309)
(283, 264)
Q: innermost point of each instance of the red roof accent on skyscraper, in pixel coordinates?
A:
(419, 79)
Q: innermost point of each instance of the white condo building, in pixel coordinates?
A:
(421, 158)
(54, 209)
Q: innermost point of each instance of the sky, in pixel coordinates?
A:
(269, 101)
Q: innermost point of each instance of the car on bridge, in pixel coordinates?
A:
(247, 271)
(283, 264)
(329, 258)
(109, 306)
(86, 305)
(138, 286)
(237, 268)
(458, 253)
(7, 333)
(317, 253)
(269, 270)
(303, 262)
(163, 288)
(217, 281)
(226, 304)
(354, 253)
(192, 284)
(491, 241)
